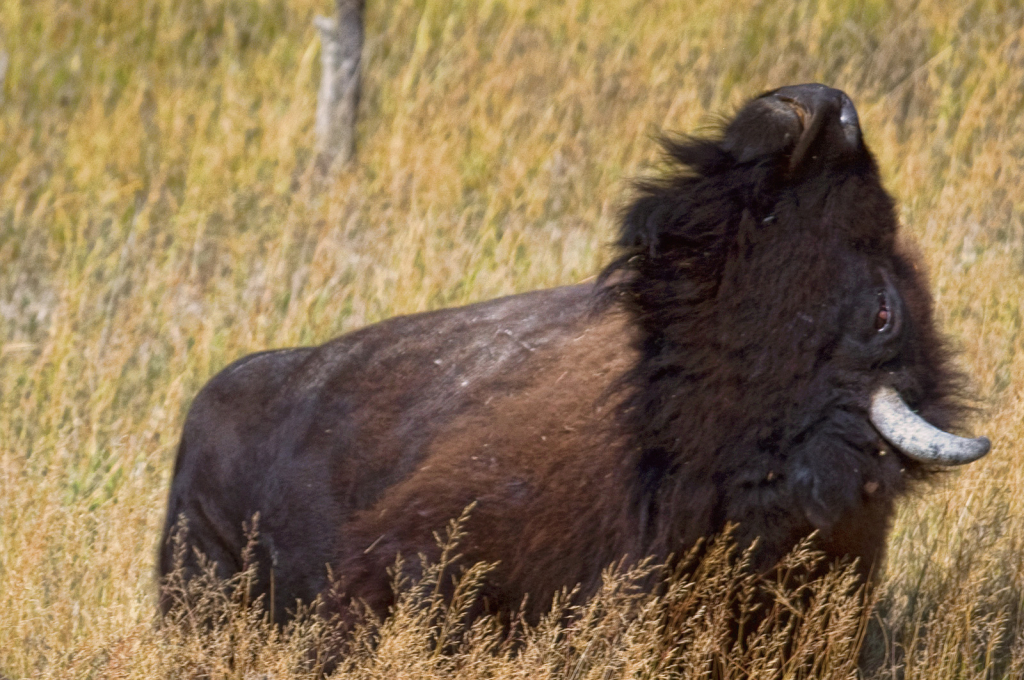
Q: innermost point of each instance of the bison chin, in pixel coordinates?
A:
(761, 354)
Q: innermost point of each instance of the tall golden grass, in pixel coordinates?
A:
(159, 217)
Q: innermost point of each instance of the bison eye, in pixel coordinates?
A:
(883, 317)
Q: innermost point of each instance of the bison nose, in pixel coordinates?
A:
(829, 123)
(849, 121)
(804, 122)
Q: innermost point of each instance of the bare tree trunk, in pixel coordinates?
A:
(340, 55)
(4, 61)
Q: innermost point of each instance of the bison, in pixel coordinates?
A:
(761, 353)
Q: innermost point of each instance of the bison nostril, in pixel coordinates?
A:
(797, 108)
(766, 127)
(850, 122)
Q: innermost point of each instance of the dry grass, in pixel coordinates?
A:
(158, 219)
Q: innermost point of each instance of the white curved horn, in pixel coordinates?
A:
(917, 438)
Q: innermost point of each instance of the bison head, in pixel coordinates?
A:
(788, 350)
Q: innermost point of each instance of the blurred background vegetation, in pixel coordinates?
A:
(159, 218)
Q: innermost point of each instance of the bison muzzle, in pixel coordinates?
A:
(761, 354)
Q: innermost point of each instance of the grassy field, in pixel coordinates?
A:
(158, 219)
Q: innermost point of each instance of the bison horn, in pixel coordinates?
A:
(918, 439)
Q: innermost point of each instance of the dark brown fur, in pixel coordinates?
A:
(719, 372)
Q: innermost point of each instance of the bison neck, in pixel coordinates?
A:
(709, 449)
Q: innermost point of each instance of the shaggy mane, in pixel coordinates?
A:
(675, 242)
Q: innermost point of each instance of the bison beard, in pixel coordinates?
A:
(724, 369)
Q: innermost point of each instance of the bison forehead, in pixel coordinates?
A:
(787, 277)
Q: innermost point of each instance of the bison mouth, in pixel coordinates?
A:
(916, 438)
